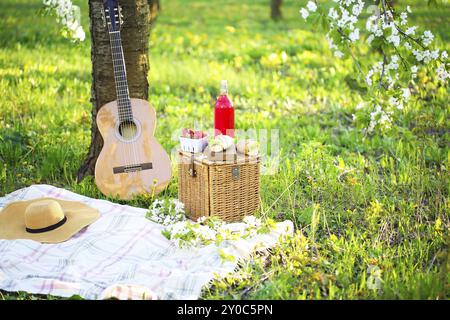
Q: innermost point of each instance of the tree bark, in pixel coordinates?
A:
(275, 9)
(135, 32)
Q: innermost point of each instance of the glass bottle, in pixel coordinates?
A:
(224, 112)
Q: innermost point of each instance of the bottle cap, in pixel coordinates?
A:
(223, 86)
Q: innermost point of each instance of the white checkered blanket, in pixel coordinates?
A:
(121, 255)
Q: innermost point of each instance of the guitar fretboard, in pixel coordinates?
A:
(120, 77)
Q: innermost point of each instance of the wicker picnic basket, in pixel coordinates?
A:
(226, 189)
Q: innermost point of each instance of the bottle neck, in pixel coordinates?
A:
(223, 88)
(223, 101)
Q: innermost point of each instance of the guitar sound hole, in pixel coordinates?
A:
(127, 129)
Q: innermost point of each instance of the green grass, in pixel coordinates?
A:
(365, 207)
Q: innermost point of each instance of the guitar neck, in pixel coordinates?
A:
(120, 77)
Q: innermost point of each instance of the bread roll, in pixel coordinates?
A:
(248, 147)
(220, 143)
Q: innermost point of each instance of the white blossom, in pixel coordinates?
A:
(338, 54)
(354, 35)
(418, 54)
(369, 77)
(414, 70)
(311, 6)
(394, 102)
(372, 23)
(330, 42)
(79, 33)
(434, 54)
(378, 32)
(332, 13)
(426, 55)
(411, 30)
(427, 38)
(357, 8)
(390, 81)
(304, 13)
(442, 74)
(166, 212)
(403, 18)
(406, 94)
(380, 118)
(393, 64)
(394, 39)
(201, 219)
(252, 221)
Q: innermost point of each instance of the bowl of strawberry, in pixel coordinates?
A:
(193, 140)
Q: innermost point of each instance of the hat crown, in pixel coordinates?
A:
(43, 213)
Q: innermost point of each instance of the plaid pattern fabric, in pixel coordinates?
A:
(121, 255)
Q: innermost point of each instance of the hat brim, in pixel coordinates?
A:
(12, 222)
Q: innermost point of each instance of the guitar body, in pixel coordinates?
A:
(131, 162)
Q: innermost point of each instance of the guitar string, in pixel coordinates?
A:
(124, 103)
(124, 154)
(128, 100)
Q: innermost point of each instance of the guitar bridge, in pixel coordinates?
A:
(133, 168)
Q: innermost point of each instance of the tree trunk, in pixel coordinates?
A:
(135, 32)
(275, 9)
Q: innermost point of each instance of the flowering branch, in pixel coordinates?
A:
(206, 230)
(68, 15)
(389, 34)
(383, 69)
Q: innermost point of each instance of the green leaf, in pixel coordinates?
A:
(315, 18)
(354, 84)
(325, 22)
(166, 233)
(377, 43)
(219, 238)
(226, 257)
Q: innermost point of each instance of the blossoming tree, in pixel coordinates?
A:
(402, 49)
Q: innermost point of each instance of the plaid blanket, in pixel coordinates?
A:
(121, 255)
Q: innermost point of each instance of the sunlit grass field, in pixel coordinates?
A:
(371, 211)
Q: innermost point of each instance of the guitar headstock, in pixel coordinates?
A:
(112, 14)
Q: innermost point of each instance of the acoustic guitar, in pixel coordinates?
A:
(131, 162)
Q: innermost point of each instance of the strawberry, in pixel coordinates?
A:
(187, 133)
(199, 134)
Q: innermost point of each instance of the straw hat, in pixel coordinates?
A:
(45, 220)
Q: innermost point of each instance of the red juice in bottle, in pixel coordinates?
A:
(224, 113)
